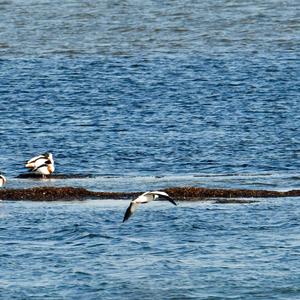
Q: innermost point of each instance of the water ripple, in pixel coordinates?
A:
(147, 95)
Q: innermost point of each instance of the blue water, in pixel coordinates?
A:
(193, 251)
(143, 95)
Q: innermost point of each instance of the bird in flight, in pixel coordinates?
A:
(145, 198)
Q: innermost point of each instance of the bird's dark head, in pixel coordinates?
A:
(46, 154)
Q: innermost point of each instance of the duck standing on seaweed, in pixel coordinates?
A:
(42, 164)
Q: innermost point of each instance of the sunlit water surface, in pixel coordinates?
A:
(142, 95)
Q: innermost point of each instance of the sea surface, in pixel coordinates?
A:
(140, 95)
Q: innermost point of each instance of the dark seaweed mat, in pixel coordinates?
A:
(178, 193)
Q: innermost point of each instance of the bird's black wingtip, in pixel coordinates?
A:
(127, 213)
(173, 202)
(169, 199)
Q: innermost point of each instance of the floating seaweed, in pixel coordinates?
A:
(177, 193)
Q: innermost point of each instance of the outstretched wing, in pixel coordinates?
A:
(131, 208)
(164, 196)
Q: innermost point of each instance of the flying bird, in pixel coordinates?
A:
(42, 164)
(2, 180)
(145, 198)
